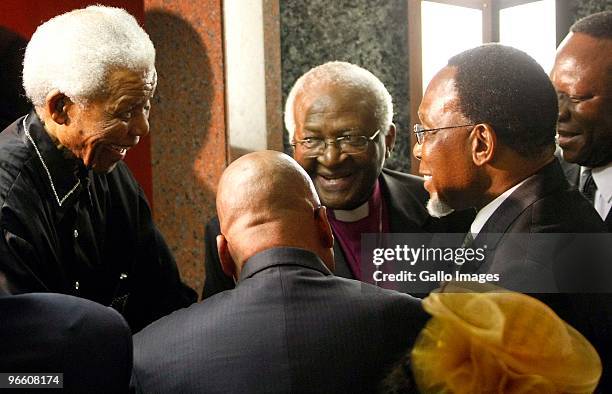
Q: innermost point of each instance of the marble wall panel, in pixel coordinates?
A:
(582, 8)
(369, 33)
(189, 149)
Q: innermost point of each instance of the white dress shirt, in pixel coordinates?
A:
(485, 213)
(603, 195)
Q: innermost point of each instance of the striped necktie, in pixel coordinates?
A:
(589, 186)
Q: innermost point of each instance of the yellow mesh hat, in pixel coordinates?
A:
(502, 342)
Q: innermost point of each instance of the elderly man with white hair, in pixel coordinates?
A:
(339, 119)
(73, 218)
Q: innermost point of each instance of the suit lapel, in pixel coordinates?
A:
(572, 173)
(548, 180)
(406, 213)
(608, 221)
(341, 267)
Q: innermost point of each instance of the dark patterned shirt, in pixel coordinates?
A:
(66, 229)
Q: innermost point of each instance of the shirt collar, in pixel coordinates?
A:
(603, 179)
(63, 174)
(353, 215)
(282, 256)
(485, 213)
(362, 211)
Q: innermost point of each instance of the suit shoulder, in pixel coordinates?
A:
(399, 311)
(96, 316)
(566, 211)
(375, 294)
(82, 321)
(407, 179)
(401, 185)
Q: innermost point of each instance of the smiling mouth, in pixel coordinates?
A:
(336, 182)
(121, 149)
(565, 137)
(566, 133)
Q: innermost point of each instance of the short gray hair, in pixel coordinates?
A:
(75, 51)
(342, 74)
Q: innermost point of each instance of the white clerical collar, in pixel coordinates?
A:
(353, 215)
(487, 211)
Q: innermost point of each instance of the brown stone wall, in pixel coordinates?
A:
(188, 138)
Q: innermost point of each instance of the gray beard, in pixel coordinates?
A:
(438, 208)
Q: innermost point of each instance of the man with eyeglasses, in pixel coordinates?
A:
(582, 76)
(339, 119)
(487, 140)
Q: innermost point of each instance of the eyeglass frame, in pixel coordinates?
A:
(335, 141)
(420, 133)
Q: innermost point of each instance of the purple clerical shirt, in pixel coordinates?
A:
(348, 233)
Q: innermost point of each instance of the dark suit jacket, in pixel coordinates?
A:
(87, 342)
(289, 326)
(405, 197)
(572, 174)
(562, 262)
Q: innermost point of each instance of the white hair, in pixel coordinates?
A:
(342, 74)
(438, 208)
(74, 52)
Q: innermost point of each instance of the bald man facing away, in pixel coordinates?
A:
(289, 325)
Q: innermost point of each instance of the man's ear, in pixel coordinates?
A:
(323, 228)
(326, 238)
(57, 105)
(389, 140)
(484, 143)
(227, 262)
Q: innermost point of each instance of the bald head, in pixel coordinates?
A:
(266, 200)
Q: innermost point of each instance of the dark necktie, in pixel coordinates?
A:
(589, 186)
(468, 240)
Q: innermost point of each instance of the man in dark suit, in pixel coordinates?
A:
(54, 333)
(582, 76)
(289, 325)
(487, 146)
(339, 119)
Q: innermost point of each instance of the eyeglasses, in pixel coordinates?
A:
(420, 131)
(349, 144)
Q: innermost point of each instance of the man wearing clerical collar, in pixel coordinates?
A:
(339, 119)
(74, 219)
(582, 76)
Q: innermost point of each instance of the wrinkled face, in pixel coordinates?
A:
(342, 181)
(582, 76)
(101, 131)
(445, 155)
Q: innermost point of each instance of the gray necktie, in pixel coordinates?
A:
(588, 185)
(468, 240)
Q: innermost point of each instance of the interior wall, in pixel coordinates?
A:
(189, 149)
(369, 33)
(581, 8)
(372, 34)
